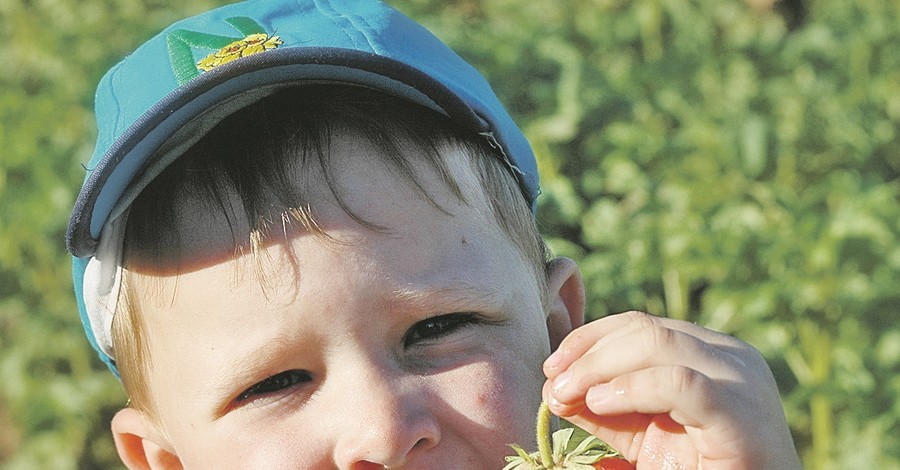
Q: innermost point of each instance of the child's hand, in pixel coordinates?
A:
(670, 394)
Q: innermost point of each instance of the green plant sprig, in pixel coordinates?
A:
(558, 451)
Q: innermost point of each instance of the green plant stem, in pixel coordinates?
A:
(543, 435)
(816, 366)
(821, 424)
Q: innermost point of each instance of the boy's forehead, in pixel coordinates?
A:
(438, 246)
(362, 170)
(363, 182)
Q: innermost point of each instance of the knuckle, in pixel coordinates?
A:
(663, 337)
(574, 340)
(657, 337)
(641, 320)
(686, 381)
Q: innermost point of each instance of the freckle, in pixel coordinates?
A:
(464, 241)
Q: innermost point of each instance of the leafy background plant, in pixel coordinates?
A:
(733, 163)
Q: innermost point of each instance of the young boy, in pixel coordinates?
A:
(306, 240)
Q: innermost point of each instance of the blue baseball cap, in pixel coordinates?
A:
(165, 96)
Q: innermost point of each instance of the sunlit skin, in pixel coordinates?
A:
(417, 347)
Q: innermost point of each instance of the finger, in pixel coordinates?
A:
(622, 432)
(598, 333)
(645, 348)
(558, 408)
(688, 396)
(710, 414)
(574, 345)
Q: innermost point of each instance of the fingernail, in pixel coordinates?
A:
(598, 396)
(561, 381)
(553, 402)
(552, 362)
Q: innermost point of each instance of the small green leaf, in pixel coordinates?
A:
(585, 444)
(561, 443)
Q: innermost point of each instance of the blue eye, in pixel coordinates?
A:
(276, 383)
(438, 326)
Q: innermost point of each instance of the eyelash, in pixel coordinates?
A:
(439, 326)
(276, 383)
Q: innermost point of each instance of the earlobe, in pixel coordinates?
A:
(138, 442)
(566, 299)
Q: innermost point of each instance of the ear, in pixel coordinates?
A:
(566, 299)
(139, 443)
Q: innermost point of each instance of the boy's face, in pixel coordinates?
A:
(418, 346)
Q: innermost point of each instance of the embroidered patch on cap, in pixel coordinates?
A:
(181, 43)
(252, 44)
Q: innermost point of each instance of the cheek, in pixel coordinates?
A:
(493, 403)
(273, 447)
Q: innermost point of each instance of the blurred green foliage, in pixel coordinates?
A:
(725, 162)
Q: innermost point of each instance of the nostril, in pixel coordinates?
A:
(368, 466)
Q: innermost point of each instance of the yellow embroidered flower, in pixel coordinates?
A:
(252, 44)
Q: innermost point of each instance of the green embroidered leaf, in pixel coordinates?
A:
(201, 40)
(245, 26)
(180, 43)
(182, 59)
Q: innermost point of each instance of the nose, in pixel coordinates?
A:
(385, 420)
